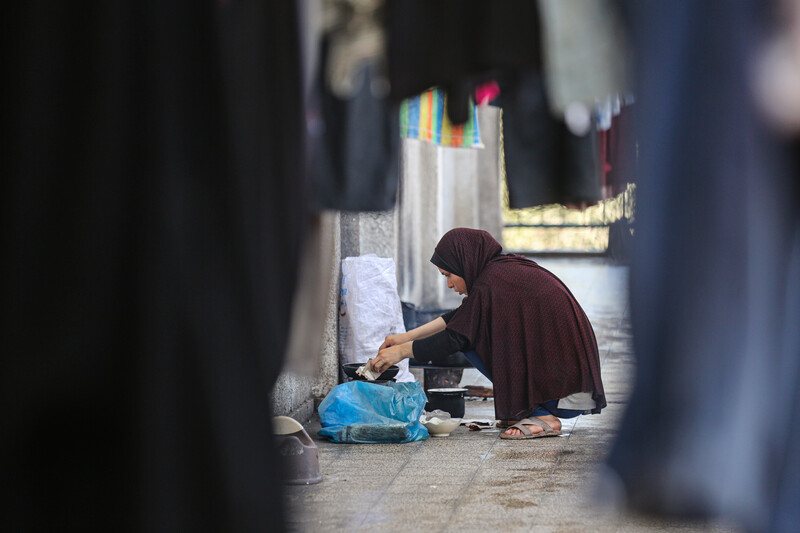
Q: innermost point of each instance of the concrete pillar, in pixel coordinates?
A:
(369, 233)
(328, 373)
(311, 369)
(490, 186)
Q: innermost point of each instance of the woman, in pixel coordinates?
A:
(519, 325)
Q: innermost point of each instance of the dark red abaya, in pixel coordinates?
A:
(524, 323)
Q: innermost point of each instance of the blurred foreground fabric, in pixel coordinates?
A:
(714, 421)
(152, 210)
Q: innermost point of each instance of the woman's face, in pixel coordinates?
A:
(454, 282)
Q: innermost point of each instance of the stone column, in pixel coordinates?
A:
(369, 233)
(312, 363)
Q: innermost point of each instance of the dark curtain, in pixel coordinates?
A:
(151, 213)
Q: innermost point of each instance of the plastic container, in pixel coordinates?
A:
(449, 399)
(300, 454)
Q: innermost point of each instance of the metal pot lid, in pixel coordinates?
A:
(448, 390)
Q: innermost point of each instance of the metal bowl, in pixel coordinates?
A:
(350, 371)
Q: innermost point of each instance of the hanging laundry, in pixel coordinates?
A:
(356, 36)
(712, 428)
(617, 152)
(545, 163)
(487, 92)
(583, 50)
(457, 44)
(423, 117)
(353, 145)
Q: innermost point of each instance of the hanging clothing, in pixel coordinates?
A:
(528, 329)
(584, 52)
(354, 145)
(545, 163)
(423, 117)
(486, 93)
(355, 33)
(153, 207)
(715, 279)
(456, 44)
(617, 153)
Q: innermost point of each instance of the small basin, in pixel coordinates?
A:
(441, 427)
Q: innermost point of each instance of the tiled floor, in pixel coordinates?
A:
(474, 481)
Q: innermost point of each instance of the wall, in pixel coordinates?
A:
(312, 364)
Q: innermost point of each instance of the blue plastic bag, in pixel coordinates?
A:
(362, 412)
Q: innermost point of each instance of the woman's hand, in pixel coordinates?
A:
(391, 356)
(394, 340)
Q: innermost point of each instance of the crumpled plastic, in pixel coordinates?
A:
(362, 412)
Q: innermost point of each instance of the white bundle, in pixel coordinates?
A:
(367, 373)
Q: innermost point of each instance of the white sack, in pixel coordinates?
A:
(369, 309)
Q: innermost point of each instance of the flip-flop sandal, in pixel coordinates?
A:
(526, 433)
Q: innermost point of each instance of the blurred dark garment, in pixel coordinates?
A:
(713, 425)
(152, 208)
(545, 162)
(354, 146)
(457, 44)
(620, 241)
(617, 153)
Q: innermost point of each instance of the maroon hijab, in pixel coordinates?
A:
(464, 252)
(524, 323)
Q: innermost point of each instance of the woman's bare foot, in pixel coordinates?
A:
(550, 420)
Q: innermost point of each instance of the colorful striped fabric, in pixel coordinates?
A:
(423, 117)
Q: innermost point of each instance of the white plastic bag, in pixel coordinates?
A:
(369, 309)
